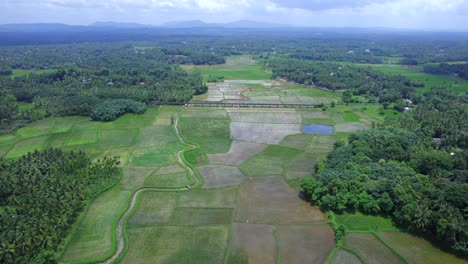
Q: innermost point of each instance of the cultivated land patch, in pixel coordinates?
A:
(154, 136)
(239, 152)
(418, 250)
(305, 243)
(25, 146)
(189, 216)
(117, 138)
(154, 208)
(134, 177)
(220, 175)
(176, 244)
(38, 128)
(8, 140)
(156, 156)
(265, 117)
(271, 161)
(236, 67)
(371, 248)
(345, 257)
(93, 237)
(272, 200)
(263, 133)
(255, 241)
(83, 137)
(212, 134)
(209, 198)
(168, 180)
(351, 127)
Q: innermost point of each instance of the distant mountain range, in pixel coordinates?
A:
(235, 24)
(50, 27)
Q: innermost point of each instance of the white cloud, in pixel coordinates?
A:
(396, 13)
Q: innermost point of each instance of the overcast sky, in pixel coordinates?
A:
(414, 14)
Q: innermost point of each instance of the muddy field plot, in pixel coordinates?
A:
(176, 244)
(186, 216)
(272, 200)
(254, 241)
(263, 133)
(240, 151)
(203, 112)
(345, 257)
(265, 117)
(211, 198)
(305, 243)
(220, 176)
(371, 248)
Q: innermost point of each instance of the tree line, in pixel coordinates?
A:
(461, 70)
(359, 82)
(413, 169)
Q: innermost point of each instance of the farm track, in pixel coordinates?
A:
(119, 229)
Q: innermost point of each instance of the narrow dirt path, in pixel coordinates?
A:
(119, 229)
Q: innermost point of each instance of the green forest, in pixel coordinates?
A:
(413, 169)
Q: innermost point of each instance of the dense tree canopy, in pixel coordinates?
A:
(357, 81)
(40, 196)
(399, 170)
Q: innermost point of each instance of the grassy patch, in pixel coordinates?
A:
(38, 128)
(156, 136)
(271, 161)
(236, 67)
(25, 146)
(154, 157)
(202, 216)
(171, 180)
(361, 222)
(212, 134)
(181, 245)
(94, 236)
(196, 157)
(153, 208)
(350, 117)
(64, 124)
(82, 137)
(8, 140)
(117, 138)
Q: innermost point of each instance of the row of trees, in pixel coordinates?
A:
(460, 70)
(40, 196)
(72, 90)
(358, 81)
(413, 169)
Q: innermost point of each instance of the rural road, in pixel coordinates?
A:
(119, 231)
